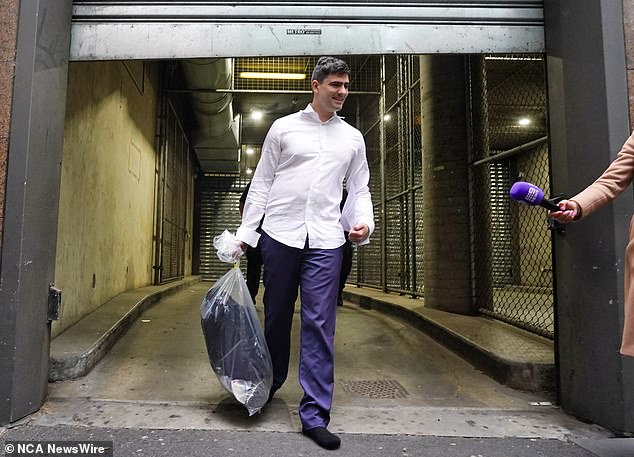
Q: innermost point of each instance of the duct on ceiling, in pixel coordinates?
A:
(216, 141)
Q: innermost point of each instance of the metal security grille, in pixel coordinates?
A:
(511, 246)
(512, 243)
(364, 78)
(391, 126)
(290, 66)
(174, 198)
(218, 210)
(367, 262)
(403, 173)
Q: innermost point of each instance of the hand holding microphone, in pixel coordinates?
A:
(568, 210)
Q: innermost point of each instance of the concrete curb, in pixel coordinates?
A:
(522, 375)
(86, 351)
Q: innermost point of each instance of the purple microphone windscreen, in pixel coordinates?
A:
(527, 193)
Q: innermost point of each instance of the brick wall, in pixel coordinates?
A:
(628, 17)
(8, 31)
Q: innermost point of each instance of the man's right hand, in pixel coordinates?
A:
(239, 250)
(358, 233)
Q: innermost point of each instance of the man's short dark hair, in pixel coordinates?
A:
(329, 66)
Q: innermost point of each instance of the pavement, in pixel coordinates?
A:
(399, 392)
(194, 443)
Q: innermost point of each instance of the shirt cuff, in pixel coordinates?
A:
(364, 242)
(370, 224)
(250, 237)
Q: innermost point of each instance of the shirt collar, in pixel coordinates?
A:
(311, 114)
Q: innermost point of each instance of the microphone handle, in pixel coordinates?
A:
(549, 204)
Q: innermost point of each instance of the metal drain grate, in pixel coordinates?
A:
(380, 388)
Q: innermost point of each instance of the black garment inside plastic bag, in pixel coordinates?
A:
(235, 343)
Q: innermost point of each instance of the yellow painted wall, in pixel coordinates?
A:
(106, 211)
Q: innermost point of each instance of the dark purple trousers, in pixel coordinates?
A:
(316, 273)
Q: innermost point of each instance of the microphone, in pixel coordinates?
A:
(531, 195)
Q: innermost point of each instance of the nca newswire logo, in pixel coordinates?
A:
(59, 448)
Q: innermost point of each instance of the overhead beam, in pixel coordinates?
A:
(143, 30)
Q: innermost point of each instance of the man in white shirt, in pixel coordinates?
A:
(298, 183)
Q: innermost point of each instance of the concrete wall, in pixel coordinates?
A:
(8, 32)
(628, 20)
(589, 121)
(31, 196)
(106, 208)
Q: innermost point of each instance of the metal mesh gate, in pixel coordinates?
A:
(513, 253)
(403, 174)
(511, 248)
(174, 197)
(391, 126)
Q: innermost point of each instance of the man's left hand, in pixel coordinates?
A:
(358, 233)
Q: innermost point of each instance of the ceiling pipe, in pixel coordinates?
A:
(216, 140)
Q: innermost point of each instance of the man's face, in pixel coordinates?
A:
(332, 92)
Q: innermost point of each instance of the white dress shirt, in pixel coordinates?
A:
(298, 183)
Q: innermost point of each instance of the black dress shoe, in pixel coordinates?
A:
(323, 437)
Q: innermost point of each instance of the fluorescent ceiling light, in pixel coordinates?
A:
(257, 115)
(262, 75)
(512, 58)
(524, 121)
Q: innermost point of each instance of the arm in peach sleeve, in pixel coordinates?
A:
(610, 184)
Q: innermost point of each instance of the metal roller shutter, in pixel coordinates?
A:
(218, 198)
(152, 30)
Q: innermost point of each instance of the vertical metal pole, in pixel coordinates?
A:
(402, 161)
(471, 157)
(182, 190)
(162, 166)
(160, 141)
(412, 173)
(382, 172)
(357, 276)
